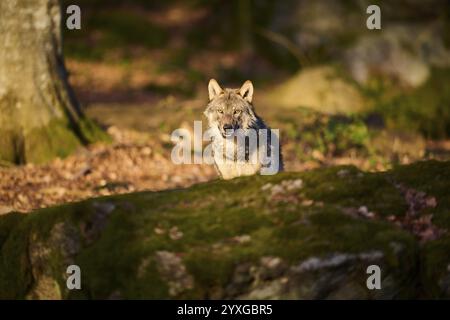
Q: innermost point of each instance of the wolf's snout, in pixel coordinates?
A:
(227, 130)
(227, 127)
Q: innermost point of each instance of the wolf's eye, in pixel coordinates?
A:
(237, 112)
(220, 111)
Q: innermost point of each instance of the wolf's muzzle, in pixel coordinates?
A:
(227, 130)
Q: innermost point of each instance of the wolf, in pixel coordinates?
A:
(231, 115)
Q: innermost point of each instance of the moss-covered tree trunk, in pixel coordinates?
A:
(39, 115)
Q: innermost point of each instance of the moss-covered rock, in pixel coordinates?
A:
(424, 110)
(321, 89)
(308, 235)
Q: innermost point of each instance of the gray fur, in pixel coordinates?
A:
(233, 109)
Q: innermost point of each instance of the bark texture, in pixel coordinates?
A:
(39, 115)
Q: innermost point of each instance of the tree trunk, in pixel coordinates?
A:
(39, 115)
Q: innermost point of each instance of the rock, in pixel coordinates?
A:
(404, 53)
(175, 233)
(321, 89)
(5, 209)
(385, 55)
(264, 249)
(93, 226)
(412, 41)
(174, 272)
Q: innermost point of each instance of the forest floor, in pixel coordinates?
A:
(140, 122)
(126, 165)
(140, 90)
(139, 159)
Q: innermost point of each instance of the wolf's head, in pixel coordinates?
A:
(230, 109)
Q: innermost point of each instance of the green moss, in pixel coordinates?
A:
(223, 225)
(435, 272)
(423, 110)
(15, 273)
(102, 277)
(332, 135)
(432, 177)
(91, 131)
(56, 139)
(8, 224)
(348, 187)
(11, 147)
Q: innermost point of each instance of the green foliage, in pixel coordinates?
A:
(346, 134)
(332, 135)
(425, 109)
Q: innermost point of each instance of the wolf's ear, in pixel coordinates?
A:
(213, 89)
(246, 91)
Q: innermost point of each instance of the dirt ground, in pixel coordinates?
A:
(126, 165)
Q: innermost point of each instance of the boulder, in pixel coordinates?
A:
(309, 235)
(404, 53)
(319, 88)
